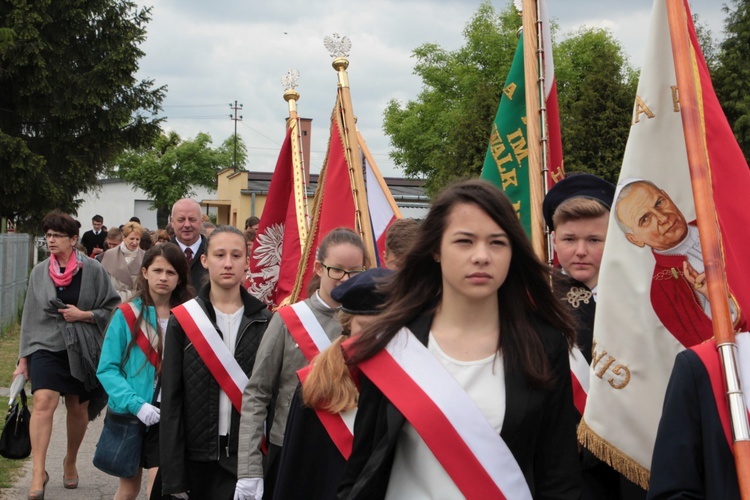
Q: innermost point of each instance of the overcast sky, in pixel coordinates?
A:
(210, 54)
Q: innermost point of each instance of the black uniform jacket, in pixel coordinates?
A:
(539, 429)
(691, 456)
(189, 427)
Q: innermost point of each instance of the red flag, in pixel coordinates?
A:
(333, 205)
(278, 245)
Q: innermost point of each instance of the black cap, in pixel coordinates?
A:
(358, 294)
(577, 186)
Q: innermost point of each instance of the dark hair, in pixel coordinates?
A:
(251, 221)
(417, 288)
(146, 241)
(60, 222)
(182, 292)
(338, 236)
(399, 237)
(97, 218)
(225, 229)
(135, 219)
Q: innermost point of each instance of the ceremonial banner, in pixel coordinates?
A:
(506, 162)
(282, 230)
(652, 293)
(333, 204)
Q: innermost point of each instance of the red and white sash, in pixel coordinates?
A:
(708, 354)
(579, 374)
(142, 340)
(211, 348)
(340, 426)
(448, 420)
(305, 329)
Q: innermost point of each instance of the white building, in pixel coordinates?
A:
(117, 201)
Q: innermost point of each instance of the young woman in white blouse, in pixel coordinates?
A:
(465, 387)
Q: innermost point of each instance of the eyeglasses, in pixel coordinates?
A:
(337, 273)
(56, 236)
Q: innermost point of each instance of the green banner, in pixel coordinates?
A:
(507, 161)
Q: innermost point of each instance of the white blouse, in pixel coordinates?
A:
(416, 473)
(229, 326)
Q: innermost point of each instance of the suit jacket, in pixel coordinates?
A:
(692, 458)
(197, 271)
(539, 428)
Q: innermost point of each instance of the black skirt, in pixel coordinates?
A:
(51, 370)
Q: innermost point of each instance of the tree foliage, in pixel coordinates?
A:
(69, 100)
(443, 134)
(171, 168)
(732, 76)
(596, 91)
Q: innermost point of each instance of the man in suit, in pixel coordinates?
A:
(187, 224)
(93, 240)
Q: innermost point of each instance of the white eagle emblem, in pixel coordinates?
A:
(267, 257)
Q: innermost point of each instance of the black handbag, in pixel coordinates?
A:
(118, 451)
(15, 442)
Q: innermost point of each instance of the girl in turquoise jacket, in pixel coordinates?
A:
(129, 374)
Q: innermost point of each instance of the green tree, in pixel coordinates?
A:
(732, 76)
(69, 101)
(596, 91)
(443, 134)
(171, 168)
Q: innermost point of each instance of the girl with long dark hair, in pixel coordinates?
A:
(465, 386)
(129, 374)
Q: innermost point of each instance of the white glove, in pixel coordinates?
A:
(182, 496)
(149, 414)
(249, 488)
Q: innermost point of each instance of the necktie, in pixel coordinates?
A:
(189, 254)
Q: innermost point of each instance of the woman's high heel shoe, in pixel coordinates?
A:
(69, 483)
(39, 494)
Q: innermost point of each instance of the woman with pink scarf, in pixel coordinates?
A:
(68, 304)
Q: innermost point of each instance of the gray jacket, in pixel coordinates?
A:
(44, 330)
(275, 371)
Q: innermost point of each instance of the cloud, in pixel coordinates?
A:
(211, 54)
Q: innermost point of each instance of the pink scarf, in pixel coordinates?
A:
(74, 264)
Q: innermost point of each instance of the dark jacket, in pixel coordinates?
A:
(89, 240)
(197, 271)
(189, 426)
(539, 429)
(692, 457)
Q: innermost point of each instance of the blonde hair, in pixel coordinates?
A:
(329, 385)
(578, 208)
(132, 227)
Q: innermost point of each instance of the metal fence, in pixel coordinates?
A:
(15, 257)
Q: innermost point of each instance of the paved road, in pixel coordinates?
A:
(93, 485)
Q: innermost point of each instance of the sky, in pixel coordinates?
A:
(211, 54)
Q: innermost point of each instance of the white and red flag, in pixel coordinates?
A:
(652, 302)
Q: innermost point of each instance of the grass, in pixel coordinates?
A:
(9, 469)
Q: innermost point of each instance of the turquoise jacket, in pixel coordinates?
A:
(131, 385)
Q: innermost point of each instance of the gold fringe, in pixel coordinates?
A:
(613, 456)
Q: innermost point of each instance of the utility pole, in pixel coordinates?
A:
(236, 119)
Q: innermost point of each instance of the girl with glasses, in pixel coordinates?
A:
(282, 352)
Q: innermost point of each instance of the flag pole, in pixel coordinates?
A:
(708, 228)
(535, 121)
(374, 166)
(351, 148)
(291, 96)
